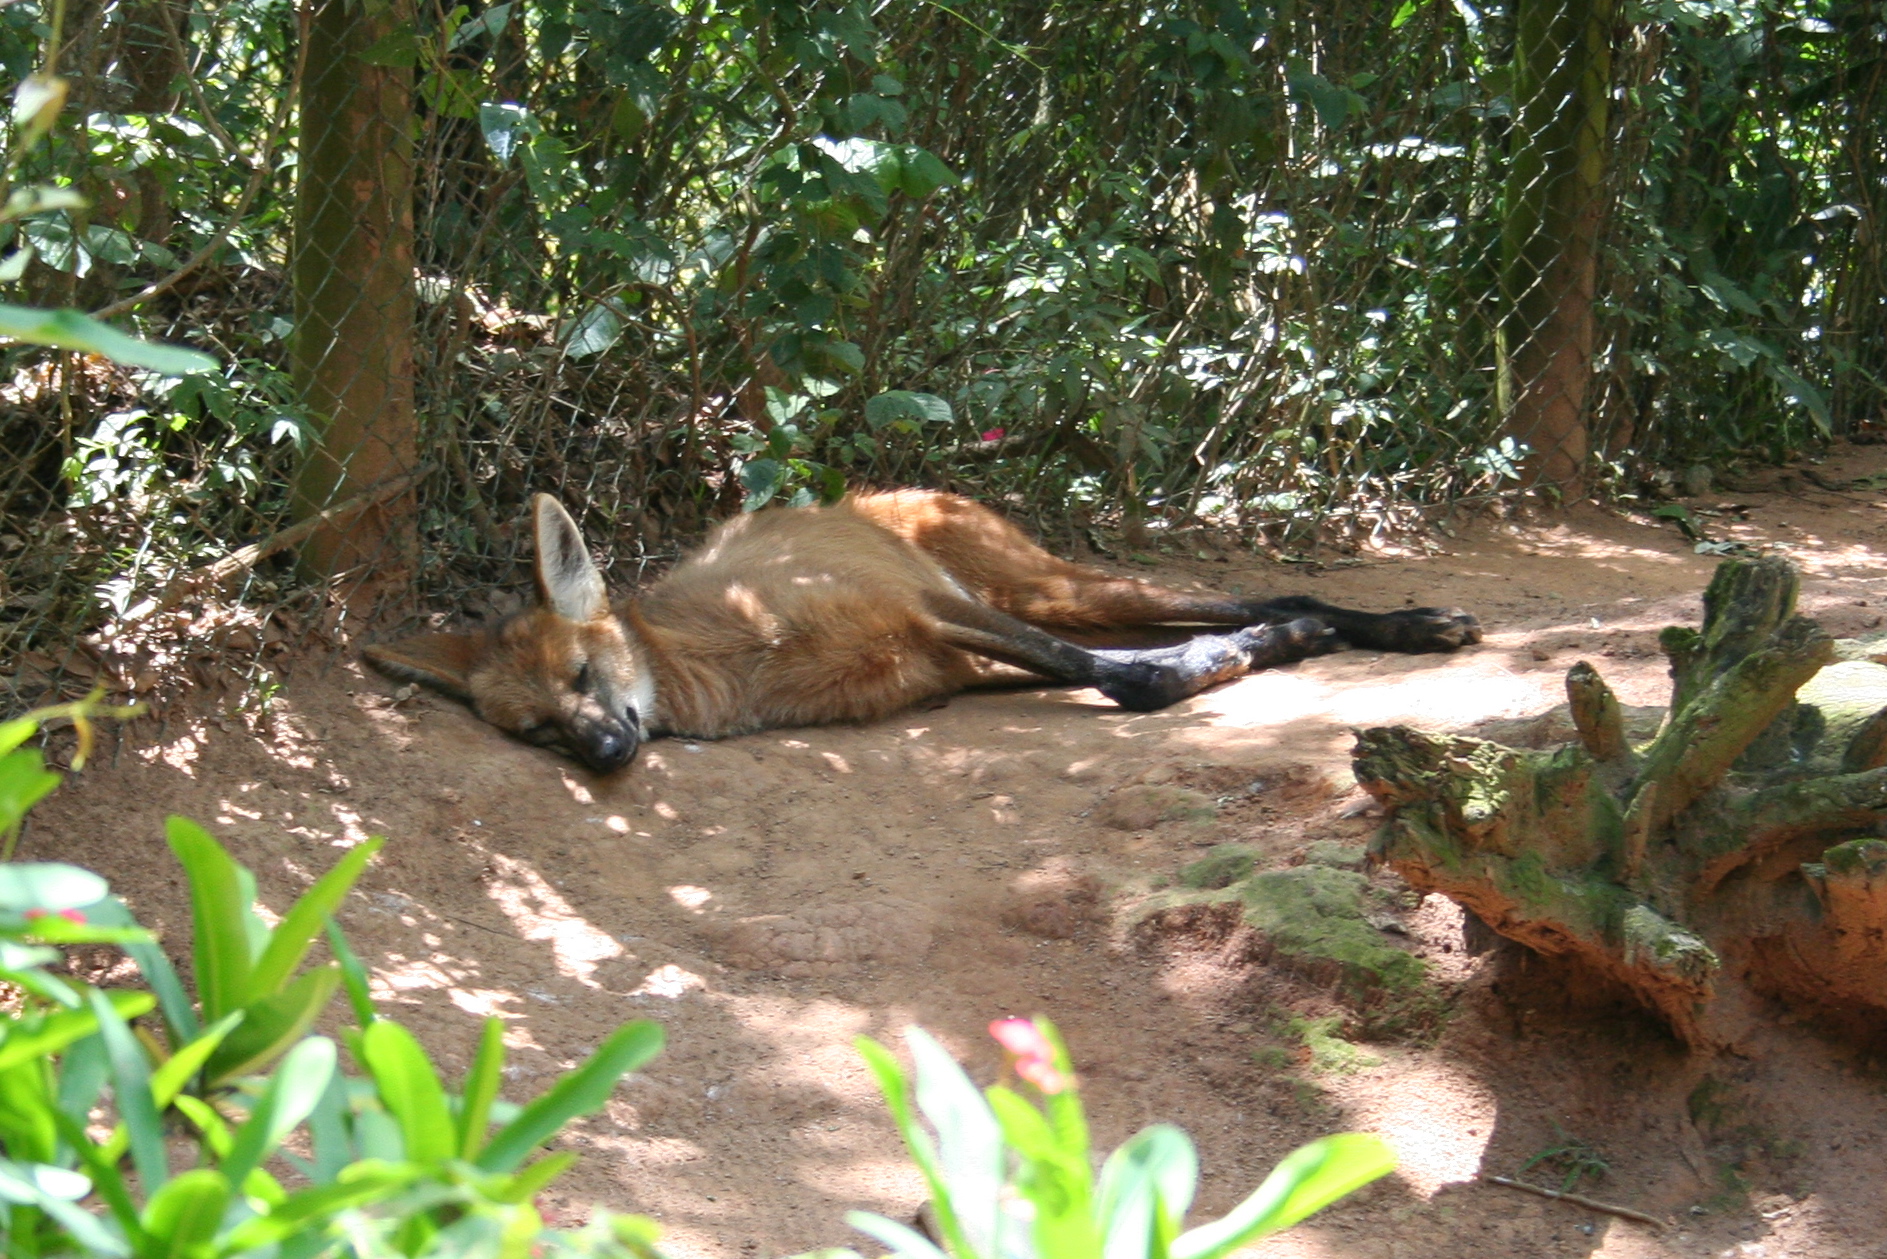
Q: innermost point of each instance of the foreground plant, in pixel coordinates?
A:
(1012, 1180)
(395, 1165)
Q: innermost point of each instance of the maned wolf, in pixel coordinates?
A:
(796, 616)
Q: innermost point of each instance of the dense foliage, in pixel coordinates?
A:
(1089, 256)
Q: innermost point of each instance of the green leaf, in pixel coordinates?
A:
(1309, 1179)
(901, 1238)
(48, 885)
(131, 1084)
(69, 330)
(921, 172)
(179, 1014)
(353, 975)
(36, 105)
(409, 1089)
(290, 1096)
(220, 910)
(525, 1185)
(577, 1093)
(1146, 1188)
(51, 1189)
(762, 479)
(594, 331)
(15, 732)
(906, 409)
(397, 49)
(175, 1073)
(216, 1137)
(969, 1142)
(289, 942)
(24, 782)
(480, 1089)
(269, 1026)
(884, 1066)
(23, 1041)
(184, 1215)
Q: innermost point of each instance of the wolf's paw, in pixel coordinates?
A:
(1429, 629)
(1142, 687)
(1293, 640)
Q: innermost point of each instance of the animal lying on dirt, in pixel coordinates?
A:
(798, 616)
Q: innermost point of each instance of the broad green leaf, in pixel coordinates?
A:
(884, 1067)
(762, 479)
(271, 1025)
(24, 782)
(1145, 1190)
(506, 126)
(526, 1184)
(216, 1135)
(594, 331)
(409, 1089)
(179, 1014)
(220, 912)
(131, 1086)
(15, 732)
(969, 1143)
(577, 1093)
(1309, 1179)
(398, 49)
(69, 330)
(480, 1088)
(36, 105)
(901, 1238)
(24, 1041)
(353, 975)
(181, 1067)
(366, 1182)
(1056, 1179)
(51, 1190)
(183, 1216)
(289, 942)
(292, 1093)
(914, 409)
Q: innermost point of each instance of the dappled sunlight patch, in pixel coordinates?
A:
(1436, 1116)
(540, 913)
(669, 982)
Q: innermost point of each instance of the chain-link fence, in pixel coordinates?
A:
(1285, 270)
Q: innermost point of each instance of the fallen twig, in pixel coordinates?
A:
(1576, 1199)
(242, 559)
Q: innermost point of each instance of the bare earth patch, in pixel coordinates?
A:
(770, 898)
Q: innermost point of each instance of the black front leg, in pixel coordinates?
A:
(1144, 679)
(1409, 630)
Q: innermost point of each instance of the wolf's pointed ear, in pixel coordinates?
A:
(441, 661)
(567, 578)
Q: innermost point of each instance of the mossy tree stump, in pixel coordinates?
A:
(1737, 851)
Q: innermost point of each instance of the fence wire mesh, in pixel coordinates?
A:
(1288, 270)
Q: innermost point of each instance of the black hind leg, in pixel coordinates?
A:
(1139, 679)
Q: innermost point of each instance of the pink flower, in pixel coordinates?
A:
(70, 915)
(1032, 1054)
(994, 434)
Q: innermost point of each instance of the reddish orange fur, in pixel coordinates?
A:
(789, 617)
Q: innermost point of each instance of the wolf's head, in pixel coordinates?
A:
(564, 674)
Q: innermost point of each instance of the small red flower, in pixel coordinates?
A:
(1032, 1054)
(994, 434)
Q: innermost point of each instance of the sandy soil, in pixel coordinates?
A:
(771, 898)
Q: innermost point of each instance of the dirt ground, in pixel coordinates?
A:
(771, 898)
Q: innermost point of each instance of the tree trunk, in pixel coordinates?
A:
(1735, 852)
(353, 275)
(1562, 73)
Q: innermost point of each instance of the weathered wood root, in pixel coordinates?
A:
(1741, 845)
